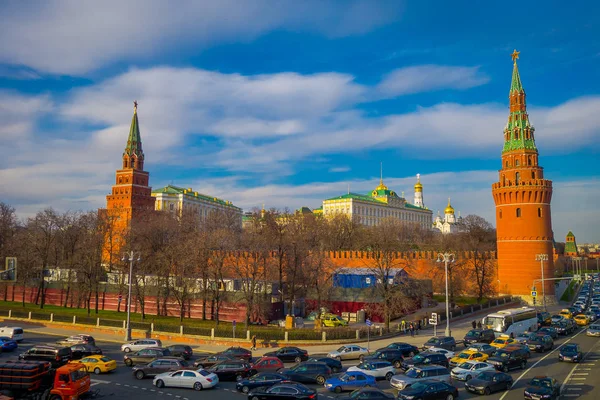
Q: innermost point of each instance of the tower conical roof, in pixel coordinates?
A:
(134, 141)
(516, 84)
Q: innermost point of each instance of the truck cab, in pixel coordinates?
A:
(71, 381)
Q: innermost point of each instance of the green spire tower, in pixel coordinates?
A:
(133, 156)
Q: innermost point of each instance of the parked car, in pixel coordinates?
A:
(7, 344)
(266, 364)
(449, 354)
(418, 374)
(570, 352)
(483, 348)
(393, 356)
(238, 352)
(198, 380)
(467, 355)
(209, 361)
(540, 343)
(259, 380)
(289, 354)
(504, 360)
(140, 344)
(97, 364)
(77, 339)
(55, 355)
(350, 380)
(429, 389)
(368, 393)
(333, 321)
(349, 352)
(13, 332)
(549, 330)
(159, 366)
(308, 372)
(181, 350)
(445, 342)
(408, 350)
(335, 365)
(479, 336)
(83, 350)
(593, 330)
(377, 369)
(468, 369)
(144, 356)
(542, 387)
(284, 390)
(425, 358)
(489, 382)
(231, 370)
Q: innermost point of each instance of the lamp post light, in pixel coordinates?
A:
(130, 256)
(446, 258)
(541, 258)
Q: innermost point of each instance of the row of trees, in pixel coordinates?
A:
(189, 261)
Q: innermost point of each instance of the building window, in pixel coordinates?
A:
(171, 206)
(518, 213)
(528, 160)
(540, 212)
(517, 163)
(506, 164)
(500, 214)
(532, 174)
(517, 177)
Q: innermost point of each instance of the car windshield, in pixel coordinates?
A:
(433, 341)
(540, 382)
(486, 376)
(496, 323)
(420, 386)
(413, 373)
(472, 333)
(105, 359)
(341, 349)
(418, 358)
(345, 377)
(465, 365)
(203, 372)
(502, 354)
(78, 374)
(570, 348)
(557, 316)
(464, 356)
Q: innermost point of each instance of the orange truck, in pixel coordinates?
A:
(37, 380)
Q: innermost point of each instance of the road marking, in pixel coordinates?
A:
(562, 387)
(144, 389)
(100, 381)
(94, 383)
(582, 373)
(589, 364)
(118, 384)
(578, 379)
(574, 389)
(540, 360)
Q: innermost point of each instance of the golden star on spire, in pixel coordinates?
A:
(515, 55)
(135, 106)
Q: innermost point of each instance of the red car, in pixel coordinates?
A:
(266, 364)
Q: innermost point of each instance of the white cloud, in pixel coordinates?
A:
(424, 78)
(70, 37)
(19, 113)
(339, 169)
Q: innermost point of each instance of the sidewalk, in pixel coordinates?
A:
(459, 327)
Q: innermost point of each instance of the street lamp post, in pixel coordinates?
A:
(541, 258)
(131, 258)
(446, 258)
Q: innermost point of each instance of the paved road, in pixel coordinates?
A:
(579, 379)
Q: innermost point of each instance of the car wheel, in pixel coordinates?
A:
(522, 365)
(450, 396)
(508, 385)
(200, 366)
(239, 378)
(361, 358)
(126, 349)
(389, 375)
(468, 378)
(505, 369)
(128, 362)
(97, 371)
(338, 389)
(320, 380)
(297, 359)
(338, 358)
(487, 391)
(397, 364)
(197, 386)
(140, 374)
(255, 398)
(245, 389)
(160, 384)
(411, 354)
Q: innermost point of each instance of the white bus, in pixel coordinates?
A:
(512, 322)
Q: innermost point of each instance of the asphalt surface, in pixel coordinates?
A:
(579, 380)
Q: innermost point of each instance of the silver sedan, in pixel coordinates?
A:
(349, 352)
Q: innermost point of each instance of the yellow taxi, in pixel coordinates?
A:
(566, 313)
(582, 320)
(97, 364)
(502, 342)
(468, 355)
(332, 320)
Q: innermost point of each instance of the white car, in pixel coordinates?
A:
(140, 344)
(377, 369)
(469, 369)
(449, 354)
(196, 380)
(349, 352)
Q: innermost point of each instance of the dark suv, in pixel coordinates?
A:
(423, 359)
(408, 350)
(392, 355)
(540, 343)
(239, 353)
(504, 360)
(56, 355)
(479, 336)
(565, 326)
(544, 319)
(308, 372)
(159, 366)
(444, 342)
(144, 356)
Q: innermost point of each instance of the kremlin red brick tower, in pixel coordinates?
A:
(130, 197)
(522, 197)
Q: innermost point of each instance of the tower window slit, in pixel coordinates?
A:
(518, 213)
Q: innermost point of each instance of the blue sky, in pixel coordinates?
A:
(287, 103)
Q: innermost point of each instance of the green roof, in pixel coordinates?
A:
(134, 141)
(515, 83)
(170, 189)
(570, 234)
(356, 196)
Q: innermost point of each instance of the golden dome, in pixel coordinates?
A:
(381, 186)
(449, 209)
(418, 186)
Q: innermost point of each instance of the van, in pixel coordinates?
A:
(413, 375)
(479, 336)
(55, 355)
(13, 332)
